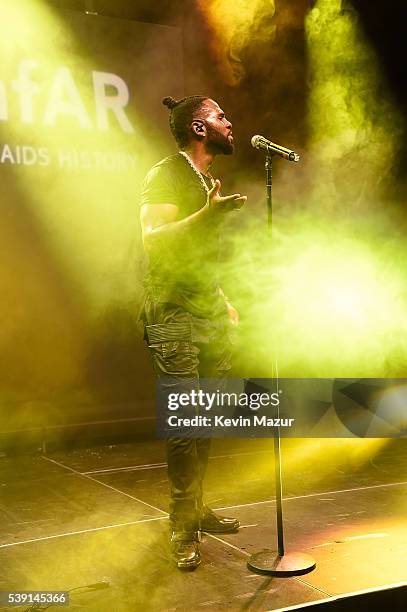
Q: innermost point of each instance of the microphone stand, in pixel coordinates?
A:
(269, 186)
(267, 561)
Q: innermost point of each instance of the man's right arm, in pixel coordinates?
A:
(160, 227)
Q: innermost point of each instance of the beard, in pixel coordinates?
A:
(217, 143)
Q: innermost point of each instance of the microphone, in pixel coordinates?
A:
(259, 142)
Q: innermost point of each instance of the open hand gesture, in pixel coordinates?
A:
(224, 204)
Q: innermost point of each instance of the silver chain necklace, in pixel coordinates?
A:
(195, 169)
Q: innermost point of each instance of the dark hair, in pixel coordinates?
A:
(182, 113)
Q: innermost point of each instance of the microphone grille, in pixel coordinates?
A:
(256, 141)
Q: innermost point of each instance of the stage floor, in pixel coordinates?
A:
(75, 517)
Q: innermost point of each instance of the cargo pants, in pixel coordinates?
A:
(186, 348)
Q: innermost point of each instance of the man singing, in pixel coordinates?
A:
(188, 320)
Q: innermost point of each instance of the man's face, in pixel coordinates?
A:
(219, 137)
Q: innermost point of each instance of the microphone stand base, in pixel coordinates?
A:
(290, 564)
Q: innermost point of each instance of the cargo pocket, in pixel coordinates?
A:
(172, 355)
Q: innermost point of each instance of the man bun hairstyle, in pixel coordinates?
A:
(182, 113)
(170, 102)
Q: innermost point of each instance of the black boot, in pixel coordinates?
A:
(185, 549)
(215, 523)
